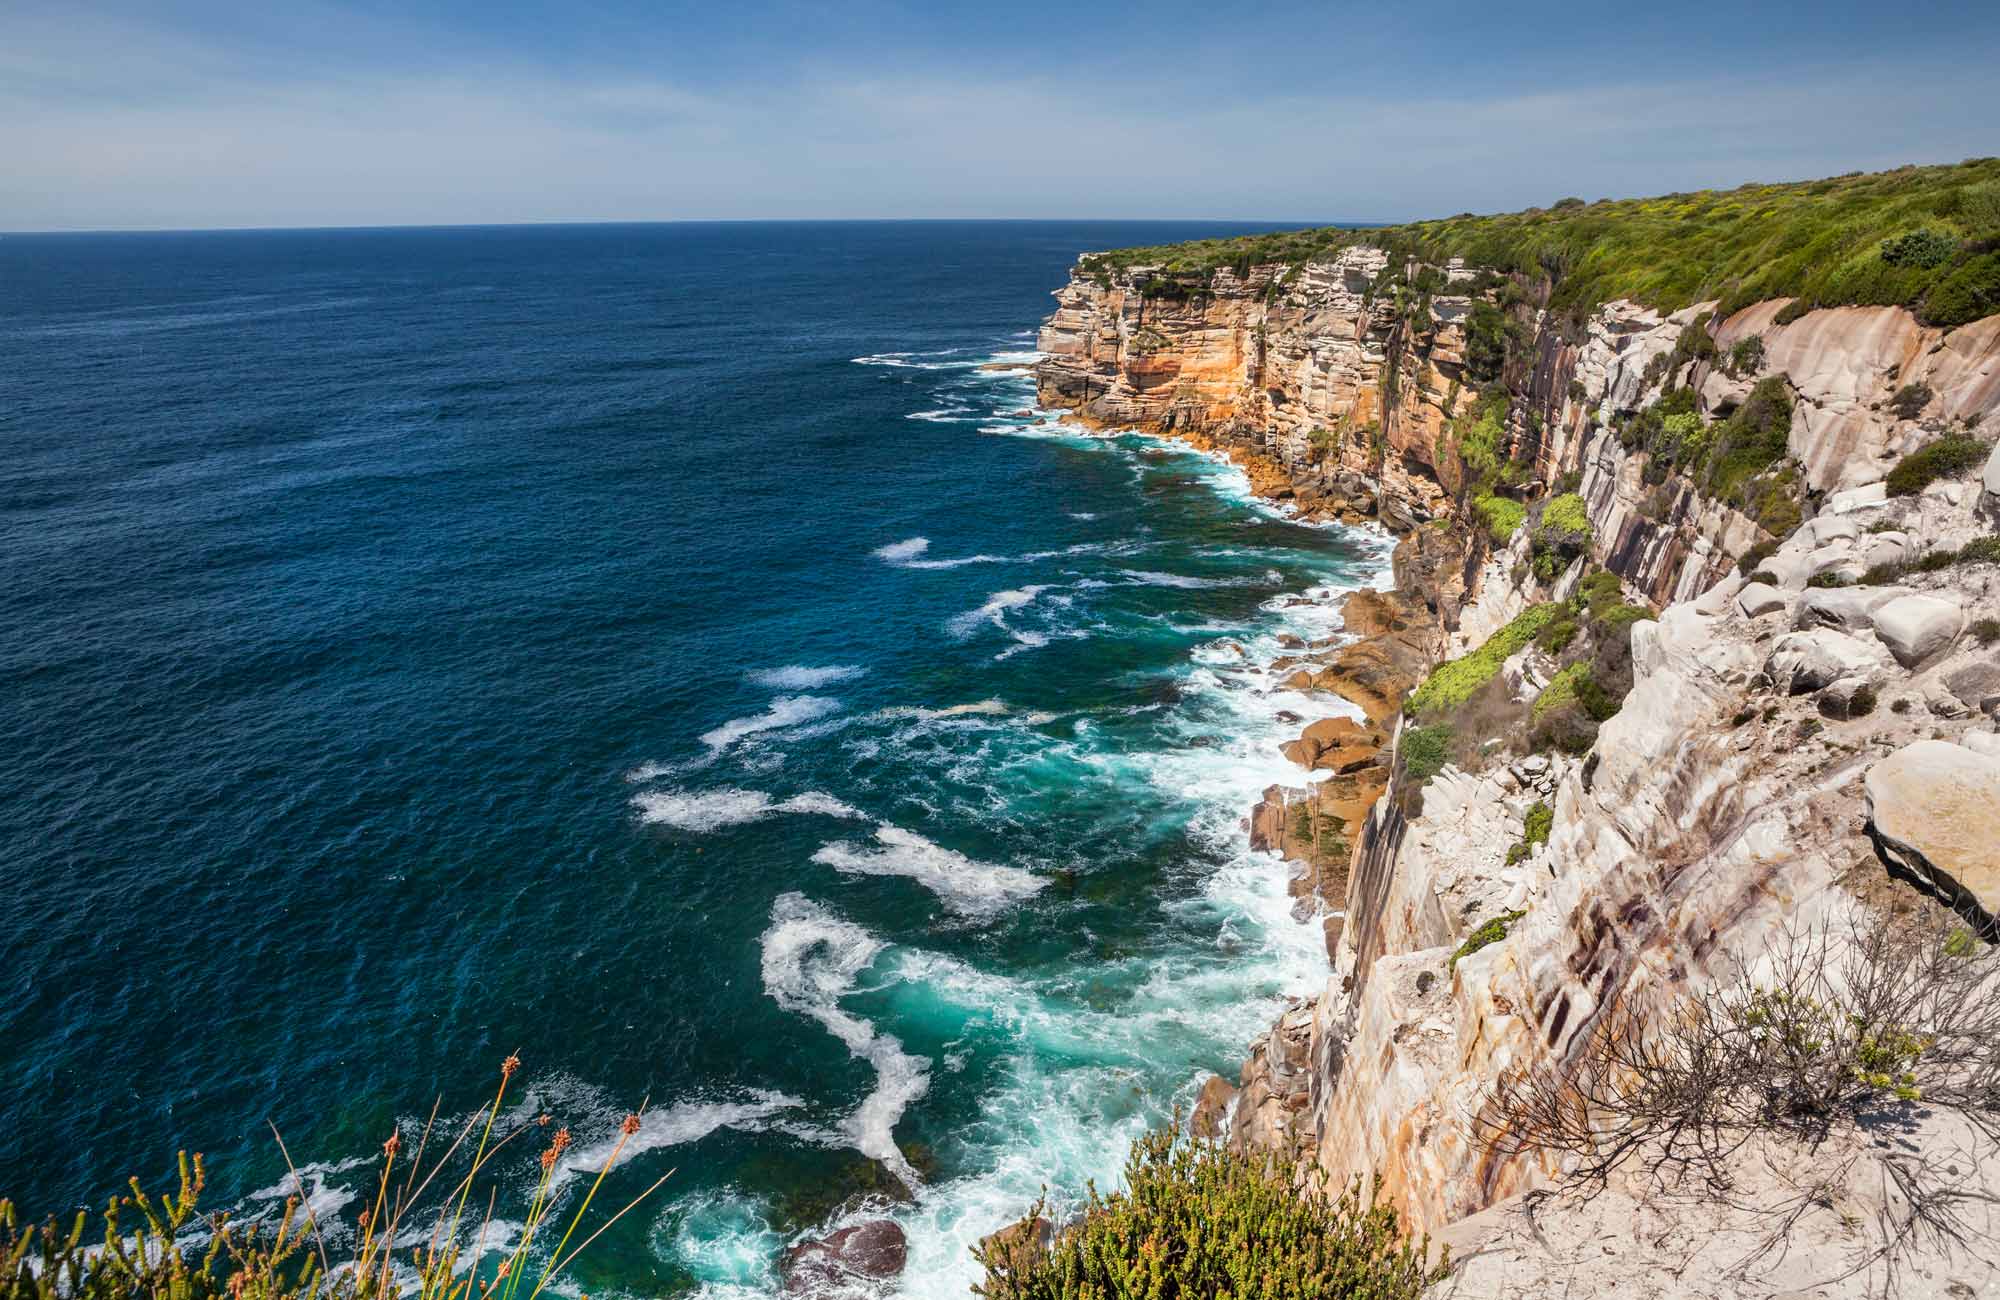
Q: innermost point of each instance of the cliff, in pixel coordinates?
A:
(1739, 734)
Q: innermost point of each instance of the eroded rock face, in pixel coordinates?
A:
(1934, 808)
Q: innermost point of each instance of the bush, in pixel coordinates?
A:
(1747, 357)
(1491, 931)
(1948, 457)
(1985, 630)
(1562, 688)
(1756, 555)
(1503, 516)
(1425, 751)
(1924, 248)
(1910, 401)
(1197, 1220)
(1535, 828)
(1451, 683)
(1847, 1034)
(1321, 442)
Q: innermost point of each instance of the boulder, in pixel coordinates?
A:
(1850, 609)
(874, 1251)
(1873, 494)
(1934, 811)
(1758, 599)
(1915, 628)
(1809, 661)
(1991, 479)
(1211, 1108)
(1977, 685)
(1983, 742)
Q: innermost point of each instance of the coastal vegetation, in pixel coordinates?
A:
(1927, 238)
(420, 1235)
(1196, 1219)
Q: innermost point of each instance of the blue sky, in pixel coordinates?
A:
(195, 113)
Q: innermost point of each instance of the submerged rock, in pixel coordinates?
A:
(875, 1251)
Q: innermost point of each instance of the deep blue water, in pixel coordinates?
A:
(662, 651)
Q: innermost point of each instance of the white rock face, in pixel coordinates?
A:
(1758, 599)
(1991, 479)
(1808, 661)
(1850, 609)
(1915, 628)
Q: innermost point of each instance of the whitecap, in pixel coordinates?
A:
(710, 810)
(801, 677)
(978, 708)
(994, 611)
(672, 1126)
(811, 958)
(785, 711)
(907, 549)
(965, 885)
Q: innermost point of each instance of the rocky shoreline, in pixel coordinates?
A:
(1794, 686)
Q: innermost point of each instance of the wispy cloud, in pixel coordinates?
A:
(115, 125)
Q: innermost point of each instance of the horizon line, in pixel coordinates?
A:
(690, 221)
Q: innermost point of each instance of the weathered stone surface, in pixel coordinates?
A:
(1807, 661)
(1850, 609)
(1975, 685)
(1934, 810)
(1758, 599)
(1915, 628)
(1990, 480)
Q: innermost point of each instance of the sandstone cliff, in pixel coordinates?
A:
(1748, 784)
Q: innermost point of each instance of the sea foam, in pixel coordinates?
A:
(711, 810)
(785, 711)
(811, 959)
(965, 885)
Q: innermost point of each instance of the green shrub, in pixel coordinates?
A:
(1555, 638)
(1425, 751)
(1451, 683)
(1910, 400)
(1985, 630)
(1321, 442)
(1756, 555)
(1746, 357)
(1563, 688)
(1196, 1220)
(1754, 438)
(1540, 820)
(1491, 931)
(1503, 516)
(1947, 457)
(1819, 243)
(1830, 578)
(1925, 248)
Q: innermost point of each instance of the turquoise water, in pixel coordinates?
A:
(666, 652)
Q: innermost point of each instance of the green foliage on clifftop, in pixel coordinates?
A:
(1452, 683)
(1197, 1220)
(1927, 238)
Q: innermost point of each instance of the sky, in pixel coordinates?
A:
(148, 114)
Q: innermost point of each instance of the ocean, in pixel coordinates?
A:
(678, 654)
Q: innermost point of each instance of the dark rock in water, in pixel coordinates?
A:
(875, 1251)
(1288, 717)
(1021, 415)
(1291, 642)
